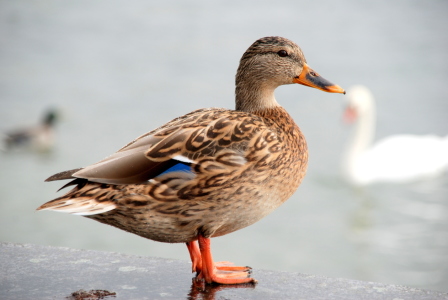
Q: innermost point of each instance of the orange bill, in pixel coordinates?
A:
(310, 78)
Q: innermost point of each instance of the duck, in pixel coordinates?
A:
(400, 158)
(209, 172)
(39, 137)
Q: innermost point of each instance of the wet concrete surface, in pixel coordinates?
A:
(43, 272)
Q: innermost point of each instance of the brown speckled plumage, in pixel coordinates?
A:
(244, 164)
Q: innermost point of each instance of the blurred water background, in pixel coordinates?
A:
(118, 69)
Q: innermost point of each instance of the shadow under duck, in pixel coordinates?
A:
(207, 173)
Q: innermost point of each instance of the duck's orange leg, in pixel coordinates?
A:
(224, 273)
(196, 261)
(195, 255)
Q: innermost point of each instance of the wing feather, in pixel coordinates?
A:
(195, 136)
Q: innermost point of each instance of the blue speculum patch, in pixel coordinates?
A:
(178, 167)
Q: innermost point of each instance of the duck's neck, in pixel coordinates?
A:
(362, 138)
(253, 98)
(254, 89)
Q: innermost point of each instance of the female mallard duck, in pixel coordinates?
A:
(208, 173)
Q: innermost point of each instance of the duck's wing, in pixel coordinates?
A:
(174, 146)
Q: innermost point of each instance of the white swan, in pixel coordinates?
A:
(397, 158)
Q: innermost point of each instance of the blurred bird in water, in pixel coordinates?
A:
(39, 137)
(396, 158)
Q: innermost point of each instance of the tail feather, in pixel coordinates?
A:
(79, 206)
(63, 175)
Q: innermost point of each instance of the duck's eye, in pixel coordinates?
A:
(282, 53)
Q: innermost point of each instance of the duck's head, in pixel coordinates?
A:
(359, 103)
(50, 117)
(268, 63)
